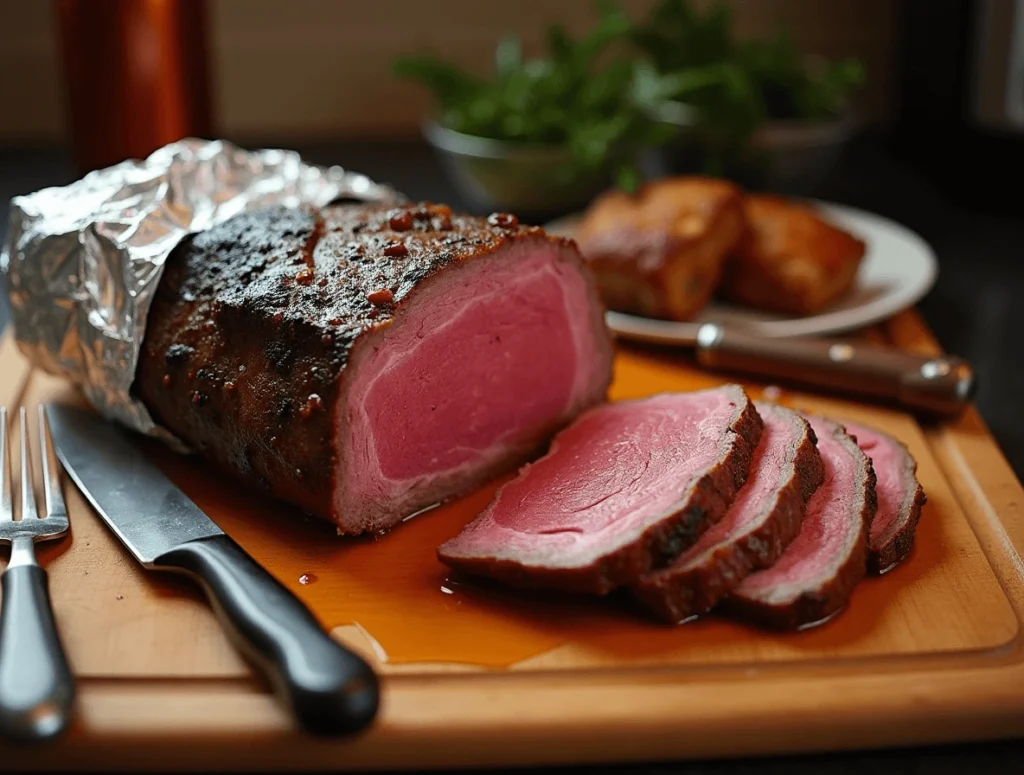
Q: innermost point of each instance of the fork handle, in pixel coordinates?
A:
(37, 688)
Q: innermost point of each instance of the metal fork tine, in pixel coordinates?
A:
(6, 509)
(37, 688)
(54, 500)
(28, 495)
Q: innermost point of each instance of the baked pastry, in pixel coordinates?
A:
(791, 260)
(660, 252)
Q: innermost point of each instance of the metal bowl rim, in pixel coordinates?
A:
(474, 146)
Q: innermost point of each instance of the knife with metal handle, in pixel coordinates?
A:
(329, 690)
(937, 385)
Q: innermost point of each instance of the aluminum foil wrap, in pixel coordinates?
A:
(82, 262)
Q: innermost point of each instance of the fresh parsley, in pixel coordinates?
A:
(603, 96)
(735, 86)
(582, 94)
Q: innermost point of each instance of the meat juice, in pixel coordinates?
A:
(411, 610)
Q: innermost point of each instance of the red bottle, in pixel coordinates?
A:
(136, 74)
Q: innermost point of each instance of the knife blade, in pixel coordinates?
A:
(934, 385)
(328, 689)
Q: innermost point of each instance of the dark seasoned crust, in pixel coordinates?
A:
(255, 320)
(659, 544)
(675, 594)
(828, 599)
(895, 548)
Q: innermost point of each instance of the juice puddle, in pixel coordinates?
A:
(394, 589)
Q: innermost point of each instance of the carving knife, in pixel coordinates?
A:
(937, 385)
(329, 690)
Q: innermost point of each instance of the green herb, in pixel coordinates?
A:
(582, 94)
(601, 100)
(678, 38)
(735, 86)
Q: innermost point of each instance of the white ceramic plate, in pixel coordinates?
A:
(899, 268)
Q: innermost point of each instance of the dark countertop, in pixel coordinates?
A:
(975, 309)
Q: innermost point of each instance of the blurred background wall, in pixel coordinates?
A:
(320, 69)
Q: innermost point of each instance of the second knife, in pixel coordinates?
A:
(935, 385)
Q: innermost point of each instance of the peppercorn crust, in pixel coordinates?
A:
(255, 320)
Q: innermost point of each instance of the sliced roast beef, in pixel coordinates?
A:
(763, 520)
(900, 497)
(624, 489)
(366, 361)
(814, 577)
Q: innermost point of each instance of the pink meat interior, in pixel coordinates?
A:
(829, 526)
(892, 488)
(773, 462)
(617, 470)
(480, 361)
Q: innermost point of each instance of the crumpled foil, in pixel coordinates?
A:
(82, 262)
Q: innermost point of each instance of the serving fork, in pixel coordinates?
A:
(36, 686)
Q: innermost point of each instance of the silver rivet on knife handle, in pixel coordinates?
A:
(936, 385)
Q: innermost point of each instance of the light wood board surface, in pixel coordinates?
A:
(930, 652)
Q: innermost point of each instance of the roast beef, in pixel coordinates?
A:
(624, 489)
(900, 497)
(814, 576)
(366, 361)
(763, 520)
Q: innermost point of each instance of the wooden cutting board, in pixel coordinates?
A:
(474, 674)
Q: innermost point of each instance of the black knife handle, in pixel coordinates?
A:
(37, 689)
(330, 690)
